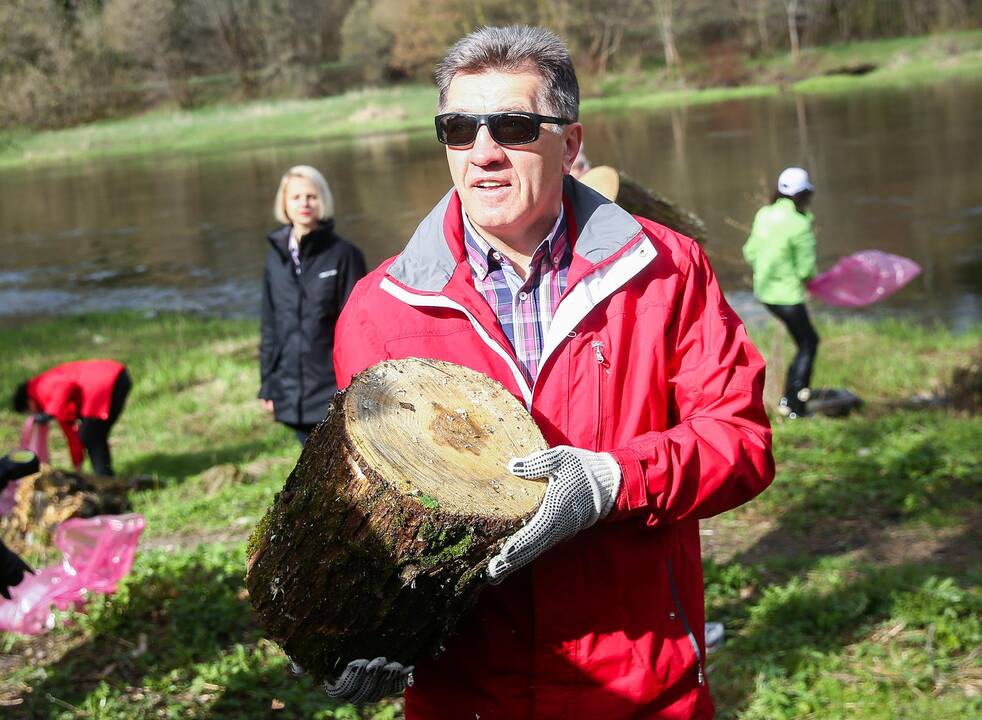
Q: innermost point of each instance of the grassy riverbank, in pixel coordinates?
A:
(850, 589)
(900, 61)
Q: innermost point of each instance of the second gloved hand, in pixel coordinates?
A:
(365, 681)
(583, 486)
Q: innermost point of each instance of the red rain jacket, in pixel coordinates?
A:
(645, 360)
(75, 390)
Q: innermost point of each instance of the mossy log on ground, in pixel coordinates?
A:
(49, 497)
(379, 540)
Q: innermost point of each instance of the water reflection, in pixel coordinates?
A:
(895, 171)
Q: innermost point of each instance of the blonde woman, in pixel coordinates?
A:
(310, 271)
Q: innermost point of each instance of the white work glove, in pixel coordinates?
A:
(582, 488)
(366, 681)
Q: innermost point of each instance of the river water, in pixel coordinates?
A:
(895, 169)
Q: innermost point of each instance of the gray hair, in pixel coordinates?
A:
(515, 49)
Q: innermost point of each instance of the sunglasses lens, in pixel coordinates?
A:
(512, 128)
(458, 129)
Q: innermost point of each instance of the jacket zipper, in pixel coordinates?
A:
(700, 673)
(598, 353)
(300, 296)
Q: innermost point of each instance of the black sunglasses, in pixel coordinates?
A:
(506, 128)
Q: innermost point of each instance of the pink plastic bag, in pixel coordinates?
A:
(34, 437)
(97, 553)
(863, 278)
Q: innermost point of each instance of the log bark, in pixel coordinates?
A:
(379, 540)
(639, 200)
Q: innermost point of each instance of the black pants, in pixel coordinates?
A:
(795, 318)
(302, 432)
(95, 432)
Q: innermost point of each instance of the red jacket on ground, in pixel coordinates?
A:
(645, 360)
(74, 390)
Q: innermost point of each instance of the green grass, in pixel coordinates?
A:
(892, 55)
(849, 589)
(902, 61)
(225, 127)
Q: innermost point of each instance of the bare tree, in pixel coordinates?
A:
(240, 39)
(69, 61)
(754, 16)
(792, 8)
(170, 40)
(596, 29)
(364, 43)
(608, 41)
(665, 18)
(418, 39)
(762, 13)
(952, 13)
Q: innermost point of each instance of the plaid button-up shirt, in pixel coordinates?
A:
(524, 308)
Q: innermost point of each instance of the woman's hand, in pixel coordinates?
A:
(267, 405)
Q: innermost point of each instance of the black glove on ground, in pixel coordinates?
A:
(12, 570)
(17, 464)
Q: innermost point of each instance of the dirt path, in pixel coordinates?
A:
(753, 539)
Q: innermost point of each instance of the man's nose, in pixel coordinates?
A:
(485, 150)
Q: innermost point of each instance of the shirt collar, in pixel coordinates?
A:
(481, 254)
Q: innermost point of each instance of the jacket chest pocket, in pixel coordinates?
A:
(322, 289)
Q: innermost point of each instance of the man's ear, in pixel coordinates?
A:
(572, 139)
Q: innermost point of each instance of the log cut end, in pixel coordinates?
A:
(379, 540)
(445, 435)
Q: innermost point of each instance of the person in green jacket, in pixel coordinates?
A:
(781, 250)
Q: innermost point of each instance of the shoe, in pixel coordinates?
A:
(714, 636)
(795, 407)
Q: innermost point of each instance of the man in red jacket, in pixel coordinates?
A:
(614, 333)
(86, 397)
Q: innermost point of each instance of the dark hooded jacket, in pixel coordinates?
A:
(299, 312)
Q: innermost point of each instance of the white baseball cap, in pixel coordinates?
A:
(793, 180)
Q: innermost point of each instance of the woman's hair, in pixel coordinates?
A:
(320, 185)
(800, 200)
(20, 398)
(514, 49)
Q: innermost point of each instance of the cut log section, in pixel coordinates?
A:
(380, 538)
(639, 200)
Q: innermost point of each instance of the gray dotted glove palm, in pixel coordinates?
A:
(368, 681)
(582, 488)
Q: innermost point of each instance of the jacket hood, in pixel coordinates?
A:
(279, 239)
(602, 228)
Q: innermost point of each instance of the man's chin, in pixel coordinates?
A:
(490, 222)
